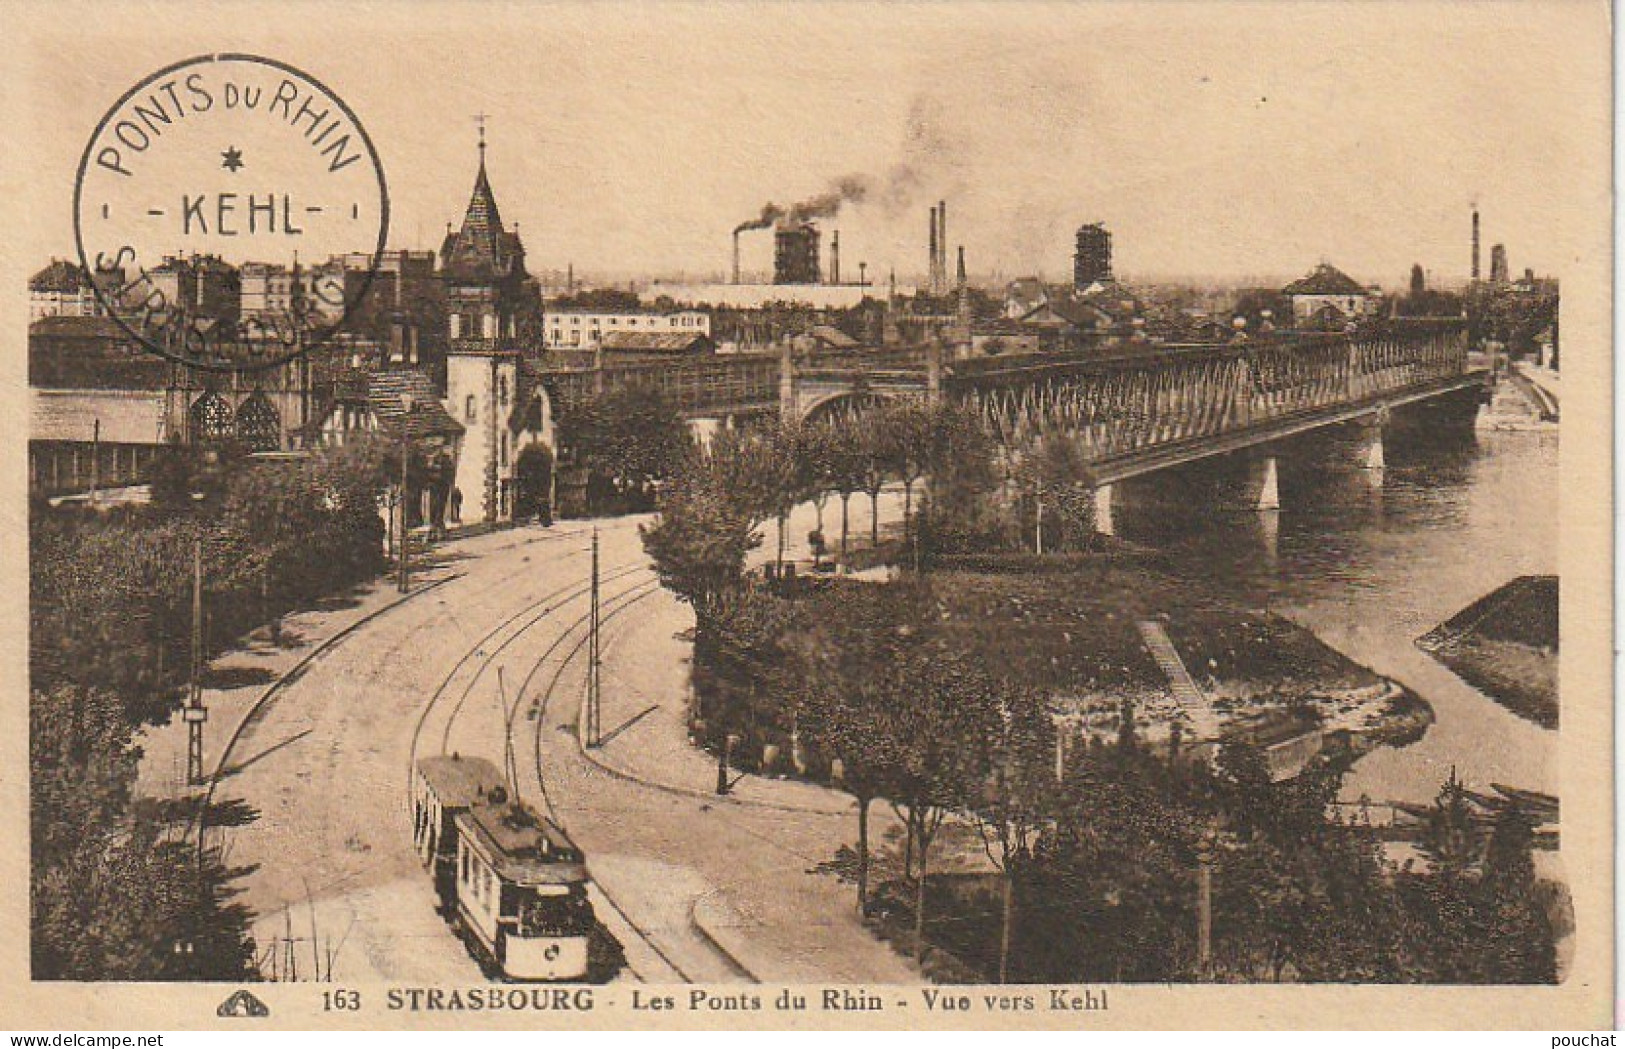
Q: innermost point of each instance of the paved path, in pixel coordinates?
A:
(326, 763)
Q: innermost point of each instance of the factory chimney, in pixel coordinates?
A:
(942, 246)
(931, 275)
(1475, 242)
(736, 256)
(835, 257)
(964, 296)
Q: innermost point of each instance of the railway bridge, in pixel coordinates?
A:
(1131, 411)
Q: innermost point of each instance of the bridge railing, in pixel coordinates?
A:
(695, 387)
(1118, 405)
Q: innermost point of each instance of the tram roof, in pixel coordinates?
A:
(459, 781)
(524, 847)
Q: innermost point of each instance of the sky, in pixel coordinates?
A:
(1227, 141)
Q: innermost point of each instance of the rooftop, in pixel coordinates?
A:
(654, 341)
(427, 418)
(1325, 279)
(524, 846)
(458, 781)
(60, 276)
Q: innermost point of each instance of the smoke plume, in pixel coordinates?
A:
(771, 213)
(848, 189)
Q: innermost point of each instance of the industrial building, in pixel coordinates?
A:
(796, 247)
(1092, 261)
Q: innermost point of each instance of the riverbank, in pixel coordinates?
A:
(1080, 634)
(1075, 627)
(1506, 645)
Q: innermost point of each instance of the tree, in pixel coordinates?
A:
(1521, 943)
(708, 519)
(1448, 839)
(786, 474)
(1010, 804)
(940, 705)
(1054, 469)
(876, 469)
(699, 542)
(1112, 888)
(842, 720)
(116, 895)
(906, 433)
(627, 440)
(845, 467)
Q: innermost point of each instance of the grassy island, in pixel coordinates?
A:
(1506, 645)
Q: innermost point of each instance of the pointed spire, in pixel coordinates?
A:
(482, 245)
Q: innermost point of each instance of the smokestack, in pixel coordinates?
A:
(931, 276)
(942, 244)
(1475, 242)
(835, 257)
(736, 256)
(963, 305)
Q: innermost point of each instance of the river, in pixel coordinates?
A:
(1370, 568)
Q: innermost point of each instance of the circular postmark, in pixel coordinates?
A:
(231, 211)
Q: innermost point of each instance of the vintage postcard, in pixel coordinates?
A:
(836, 515)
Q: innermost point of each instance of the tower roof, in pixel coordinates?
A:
(482, 250)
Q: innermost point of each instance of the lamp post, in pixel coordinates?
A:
(729, 742)
(403, 582)
(1205, 854)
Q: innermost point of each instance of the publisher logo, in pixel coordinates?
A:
(244, 1004)
(231, 210)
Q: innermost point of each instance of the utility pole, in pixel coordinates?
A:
(196, 714)
(95, 460)
(594, 713)
(403, 582)
(510, 764)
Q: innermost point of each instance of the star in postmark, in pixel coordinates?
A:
(233, 159)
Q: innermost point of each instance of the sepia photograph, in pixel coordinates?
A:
(823, 515)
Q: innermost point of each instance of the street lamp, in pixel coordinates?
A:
(729, 742)
(403, 582)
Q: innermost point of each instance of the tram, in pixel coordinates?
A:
(508, 879)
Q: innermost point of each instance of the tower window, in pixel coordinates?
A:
(502, 391)
(469, 410)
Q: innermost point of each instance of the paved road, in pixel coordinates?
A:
(327, 769)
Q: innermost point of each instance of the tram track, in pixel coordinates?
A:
(538, 611)
(535, 694)
(632, 596)
(553, 600)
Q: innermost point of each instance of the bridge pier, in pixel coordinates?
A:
(1356, 447)
(704, 430)
(1104, 523)
(787, 383)
(1262, 488)
(1369, 455)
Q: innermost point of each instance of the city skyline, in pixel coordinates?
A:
(594, 177)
